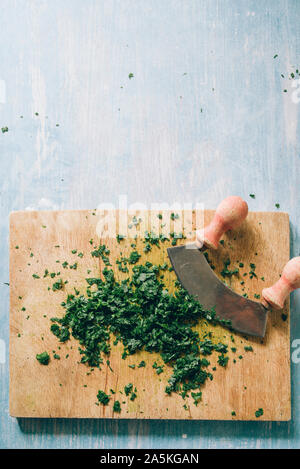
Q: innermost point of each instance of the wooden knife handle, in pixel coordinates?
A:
(276, 295)
(231, 212)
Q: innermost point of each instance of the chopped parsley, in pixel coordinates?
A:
(119, 238)
(248, 348)
(197, 397)
(58, 285)
(128, 388)
(117, 407)
(143, 316)
(103, 398)
(43, 358)
(103, 253)
(222, 360)
(259, 413)
(226, 272)
(159, 369)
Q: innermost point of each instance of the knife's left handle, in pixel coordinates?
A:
(231, 212)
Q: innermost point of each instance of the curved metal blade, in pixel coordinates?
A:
(196, 276)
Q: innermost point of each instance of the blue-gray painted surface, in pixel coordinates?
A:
(203, 117)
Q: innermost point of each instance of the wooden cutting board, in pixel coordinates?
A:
(44, 240)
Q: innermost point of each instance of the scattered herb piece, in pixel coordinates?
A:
(128, 388)
(58, 285)
(226, 272)
(248, 348)
(119, 238)
(117, 407)
(103, 398)
(43, 358)
(222, 360)
(159, 369)
(103, 253)
(197, 397)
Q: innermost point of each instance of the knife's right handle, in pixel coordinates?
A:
(231, 212)
(276, 295)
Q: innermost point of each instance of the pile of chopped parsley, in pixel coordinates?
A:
(142, 314)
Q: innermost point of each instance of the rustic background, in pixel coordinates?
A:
(204, 116)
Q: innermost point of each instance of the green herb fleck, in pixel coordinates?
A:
(128, 388)
(58, 285)
(248, 348)
(43, 358)
(117, 407)
(197, 397)
(259, 413)
(103, 398)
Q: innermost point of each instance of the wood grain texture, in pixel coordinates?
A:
(261, 379)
